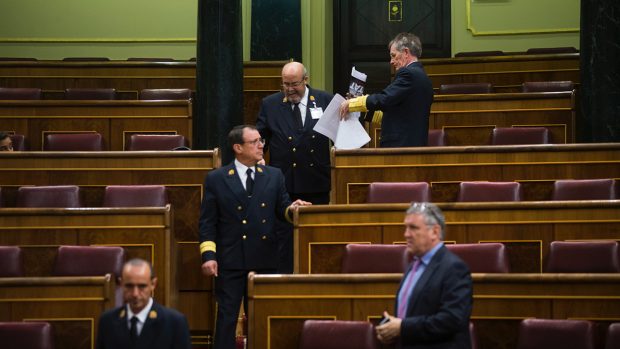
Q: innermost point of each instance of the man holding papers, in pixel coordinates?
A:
(286, 121)
(403, 107)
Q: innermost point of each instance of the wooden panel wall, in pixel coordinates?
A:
(260, 79)
(182, 172)
(263, 78)
(116, 121)
(506, 73)
(537, 190)
(526, 228)
(72, 305)
(470, 119)
(144, 233)
(280, 304)
(353, 169)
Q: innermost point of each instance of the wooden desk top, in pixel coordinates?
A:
(279, 304)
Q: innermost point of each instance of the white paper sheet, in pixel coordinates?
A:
(346, 134)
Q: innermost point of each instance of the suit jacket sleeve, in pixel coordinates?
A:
(261, 124)
(208, 216)
(395, 93)
(454, 292)
(284, 200)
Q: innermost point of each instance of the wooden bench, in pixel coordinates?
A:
(506, 73)
(182, 172)
(353, 170)
(470, 119)
(143, 232)
(526, 228)
(116, 120)
(260, 79)
(72, 305)
(279, 304)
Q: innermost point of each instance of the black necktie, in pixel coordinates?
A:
(133, 331)
(297, 116)
(249, 182)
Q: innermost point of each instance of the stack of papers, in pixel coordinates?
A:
(346, 134)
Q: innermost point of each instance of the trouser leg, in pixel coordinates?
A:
(230, 287)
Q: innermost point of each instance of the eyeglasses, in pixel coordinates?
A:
(256, 141)
(293, 84)
(430, 210)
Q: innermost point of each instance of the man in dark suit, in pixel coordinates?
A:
(240, 205)
(434, 300)
(403, 107)
(286, 121)
(141, 322)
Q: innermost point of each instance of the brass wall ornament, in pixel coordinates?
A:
(395, 11)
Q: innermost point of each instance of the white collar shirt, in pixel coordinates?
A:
(141, 316)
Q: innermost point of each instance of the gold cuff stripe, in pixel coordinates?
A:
(377, 117)
(207, 246)
(358, 104)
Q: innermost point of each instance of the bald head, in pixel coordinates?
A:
(294, 80)
(294, 68)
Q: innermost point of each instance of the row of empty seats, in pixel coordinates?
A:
(17, 93)
(340, 334)
(93, 141)
(480, 191)
(530, 51)
(30, 334)
(68, 196)
(501, 136)
(564, 257)
(181, 94)
(70, 261)
(486, 87)
(532, 334)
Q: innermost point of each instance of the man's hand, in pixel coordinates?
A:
(297, 203)
(344, 109)
(261, 162)
(209, 268)
(390, 331)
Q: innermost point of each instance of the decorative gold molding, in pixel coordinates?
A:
(503, 72)
(65, 40)
(521, 110)
(382, 223)
(60, 299)
(128, 77)
(475, 32)
(480, 164)
(329, 296)
(549, 297)
(72, 227)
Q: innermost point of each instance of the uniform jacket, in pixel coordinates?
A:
(439, 308)
(164, 328)
(301, 154)
(242, 227)
(406, 105)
